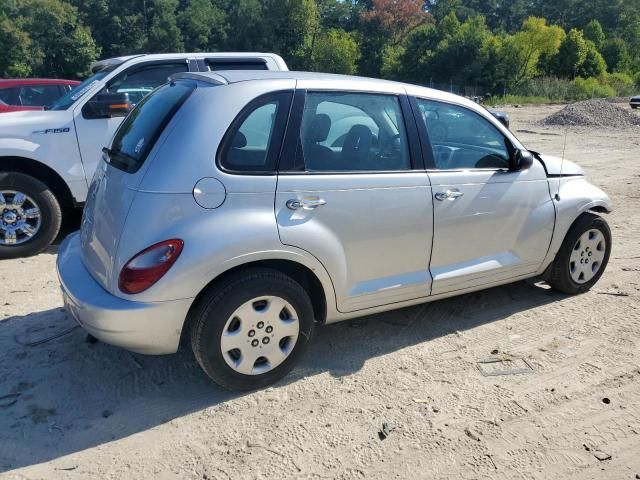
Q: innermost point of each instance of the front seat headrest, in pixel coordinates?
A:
(319, 128)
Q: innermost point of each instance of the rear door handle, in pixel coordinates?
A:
(448, 195)
(295, 204)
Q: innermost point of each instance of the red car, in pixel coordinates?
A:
(32, 93)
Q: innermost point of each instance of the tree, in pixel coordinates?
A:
(457, 58)
(164, 34)
(60, 45)
(387, 23)
(571, 54)
(396, 17)
(449, 27)
(336, 51)
(593, 32)
(524, 49)
(203, 25)
(246, 21)
(291, 27)
(616, 54)
(593, 65)
(335, 14)
(119, 27)
(14, 49)
(418, 53)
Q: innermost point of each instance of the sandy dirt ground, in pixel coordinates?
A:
(75, 410)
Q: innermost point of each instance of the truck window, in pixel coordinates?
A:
(138, 82)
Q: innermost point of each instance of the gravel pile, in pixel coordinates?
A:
(593, 113)
(617, 99)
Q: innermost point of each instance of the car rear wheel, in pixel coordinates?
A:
(250, 330)
(583, 256)
(30, 215)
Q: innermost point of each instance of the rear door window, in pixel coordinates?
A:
(142, 127)
(344, 131)
(253, 142)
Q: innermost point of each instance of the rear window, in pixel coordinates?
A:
(142, 127)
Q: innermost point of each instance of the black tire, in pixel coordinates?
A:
(219, 303)
(50, 211)
(633, 107)
(559, 277)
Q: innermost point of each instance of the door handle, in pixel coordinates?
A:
(448, 195)
(295, 204)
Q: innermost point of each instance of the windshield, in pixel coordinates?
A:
(70, 98)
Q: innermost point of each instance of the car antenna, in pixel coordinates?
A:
(564, 149)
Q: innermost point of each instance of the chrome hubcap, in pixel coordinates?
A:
(20, 217)
(260, 335)
(587, 256)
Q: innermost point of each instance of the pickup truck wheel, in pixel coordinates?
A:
(249, 331)
(583, 256)
(30, 215)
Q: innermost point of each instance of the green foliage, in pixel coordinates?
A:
(552, 88)
(616, 54)
(593, 32)
(518, 47)
(14, 52)
(164, 34)
(622, 83)
(203, 25)
(524, 49)
(592, 88)
(60, 44)
(572, 53)
(335, 51)
(593, 64)
(517, 100)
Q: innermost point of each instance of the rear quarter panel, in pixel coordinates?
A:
(240, 231)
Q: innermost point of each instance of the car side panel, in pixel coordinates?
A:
(242, 230)
(500, 228)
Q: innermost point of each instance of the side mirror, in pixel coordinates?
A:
(107, 105)
(521, 160)
(502, 117)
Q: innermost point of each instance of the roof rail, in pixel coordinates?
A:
(207, 77)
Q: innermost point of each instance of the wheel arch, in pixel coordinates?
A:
(296, 270)
(42, 172)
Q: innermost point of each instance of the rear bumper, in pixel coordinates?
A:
(150, 328)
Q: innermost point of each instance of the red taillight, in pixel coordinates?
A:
(148, 266)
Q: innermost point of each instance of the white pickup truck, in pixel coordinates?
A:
(47, 158)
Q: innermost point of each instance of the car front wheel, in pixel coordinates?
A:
(583, 256)
(250, 330)
(30, 215)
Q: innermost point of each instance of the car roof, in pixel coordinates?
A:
(14, 82)
(339, 81)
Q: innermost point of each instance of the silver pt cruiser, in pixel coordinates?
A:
(241, 208)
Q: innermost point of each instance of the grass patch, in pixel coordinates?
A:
(519, 99)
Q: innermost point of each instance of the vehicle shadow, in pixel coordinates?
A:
(70, 223)
(61, 394)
